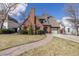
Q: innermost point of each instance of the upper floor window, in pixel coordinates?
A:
(42, 20)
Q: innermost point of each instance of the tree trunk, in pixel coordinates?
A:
(77, 31)
(2, 24)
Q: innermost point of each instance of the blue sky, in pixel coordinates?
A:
(52, 9)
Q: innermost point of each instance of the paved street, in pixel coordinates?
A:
(69, 37)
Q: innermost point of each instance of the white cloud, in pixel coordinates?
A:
(18, 14)
(58, 20)
(20, 8)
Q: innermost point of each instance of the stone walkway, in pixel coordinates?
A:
(22, 48)
(69, 37)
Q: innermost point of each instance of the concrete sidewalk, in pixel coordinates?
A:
(69, 37)
(22, 48)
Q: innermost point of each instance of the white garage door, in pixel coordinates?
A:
(54, 30)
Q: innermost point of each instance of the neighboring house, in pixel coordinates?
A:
(10, 23)
(68, 26)
(44, 22)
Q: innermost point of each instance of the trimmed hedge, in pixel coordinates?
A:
(40, 31)
(6, 31)
(23, 32)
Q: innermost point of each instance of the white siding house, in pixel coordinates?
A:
(10, 24)
(68, 25)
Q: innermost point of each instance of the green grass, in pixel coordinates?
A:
(57, 47)
(11, 40)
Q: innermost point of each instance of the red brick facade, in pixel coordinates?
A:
(31, 19)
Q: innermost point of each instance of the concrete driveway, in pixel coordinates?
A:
(22, 48)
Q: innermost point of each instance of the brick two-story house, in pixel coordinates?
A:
(44, 22)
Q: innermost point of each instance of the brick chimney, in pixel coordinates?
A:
(32, 18)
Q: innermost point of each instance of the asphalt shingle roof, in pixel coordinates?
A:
(49, 21)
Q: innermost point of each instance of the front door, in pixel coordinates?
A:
(45, 29)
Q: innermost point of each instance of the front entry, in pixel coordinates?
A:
(45, 29)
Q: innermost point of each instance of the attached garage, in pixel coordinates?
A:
(55, 26)
(54, 30)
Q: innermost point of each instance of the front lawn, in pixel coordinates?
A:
(11, 40)
(56, 47)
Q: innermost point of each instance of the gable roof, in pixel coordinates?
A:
(12, 19)
(45, 21)
(12, 23)
(53, 22)
(49, 21)
(42, 20)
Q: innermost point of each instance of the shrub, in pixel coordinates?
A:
(30, 31)
(40, 31)
(0, 31)
(6, 31)
(23, 32)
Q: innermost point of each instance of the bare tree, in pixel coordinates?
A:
(5, 9)
(71, 10)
